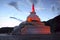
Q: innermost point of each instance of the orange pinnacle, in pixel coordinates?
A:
(33, 9)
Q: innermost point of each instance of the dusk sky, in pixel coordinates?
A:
(45, 9)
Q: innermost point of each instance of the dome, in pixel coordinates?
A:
(33, 17)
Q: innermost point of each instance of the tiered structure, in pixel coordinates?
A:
(35, 26)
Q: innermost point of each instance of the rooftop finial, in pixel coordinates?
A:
(33, 9)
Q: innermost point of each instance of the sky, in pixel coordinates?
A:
(20, 9)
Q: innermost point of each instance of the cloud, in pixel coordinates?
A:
(33, 1)
(58, 1)
(14, 4)
(39, 8)
(16, 18)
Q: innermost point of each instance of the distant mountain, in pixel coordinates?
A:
(54, 24)
(6, 30)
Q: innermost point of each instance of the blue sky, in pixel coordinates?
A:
(45, 9)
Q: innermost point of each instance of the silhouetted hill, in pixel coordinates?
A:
(6, 30)
(54, 24)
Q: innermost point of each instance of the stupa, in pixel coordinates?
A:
(34, 25)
